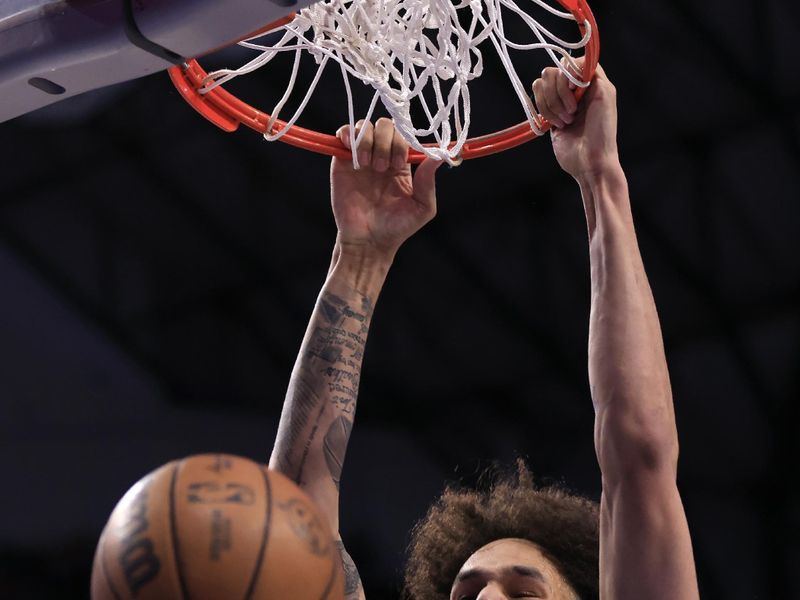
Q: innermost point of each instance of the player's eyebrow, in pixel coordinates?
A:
(469, 574)
(529, 572)
(518, 569)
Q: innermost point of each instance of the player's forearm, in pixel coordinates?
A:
(635, 423)
(320, 403)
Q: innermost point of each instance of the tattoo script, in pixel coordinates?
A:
(329, 371)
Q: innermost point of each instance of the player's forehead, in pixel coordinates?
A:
(505, 552)
(509, 555)
(514, 562)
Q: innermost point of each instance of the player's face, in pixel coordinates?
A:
(509, 568)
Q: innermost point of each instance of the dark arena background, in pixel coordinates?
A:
(157, 276)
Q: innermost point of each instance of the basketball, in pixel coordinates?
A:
(216, 527)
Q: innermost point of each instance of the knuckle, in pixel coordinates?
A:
(607, 87)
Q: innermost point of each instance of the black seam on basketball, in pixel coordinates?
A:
(268, 487)
(173, 528)
(104, 570)
(138, 39)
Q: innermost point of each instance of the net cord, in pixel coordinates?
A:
(391, 47)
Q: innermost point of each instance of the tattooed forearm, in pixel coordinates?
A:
(352, 581)
(335, 445)
(304, 401)
(322, 394)
(298, 477)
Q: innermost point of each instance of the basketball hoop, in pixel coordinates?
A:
(399, 47)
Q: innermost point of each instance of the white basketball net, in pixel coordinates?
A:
(402, 48)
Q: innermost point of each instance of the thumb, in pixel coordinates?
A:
(425, 184)
(425, 177)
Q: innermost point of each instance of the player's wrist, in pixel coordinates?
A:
(603, 171)
(605, 197)
(365, 253)
(361, 266)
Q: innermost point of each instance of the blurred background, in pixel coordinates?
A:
(157, 275)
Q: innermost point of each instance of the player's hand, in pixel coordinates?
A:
(382, 204)
(584, 134)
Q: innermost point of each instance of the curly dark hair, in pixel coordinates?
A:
(564, 526)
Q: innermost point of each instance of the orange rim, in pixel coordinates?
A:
(227, 111)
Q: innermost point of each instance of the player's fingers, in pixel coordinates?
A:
(601, 86)
(564, 87)
(399, 151)
(541, 97)
(343, 133)
(575, 71)
(365, 145)
(600, 79)
(425, 185)
(382, 145)
(551, 77)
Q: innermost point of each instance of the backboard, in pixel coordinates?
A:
(54, 49)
